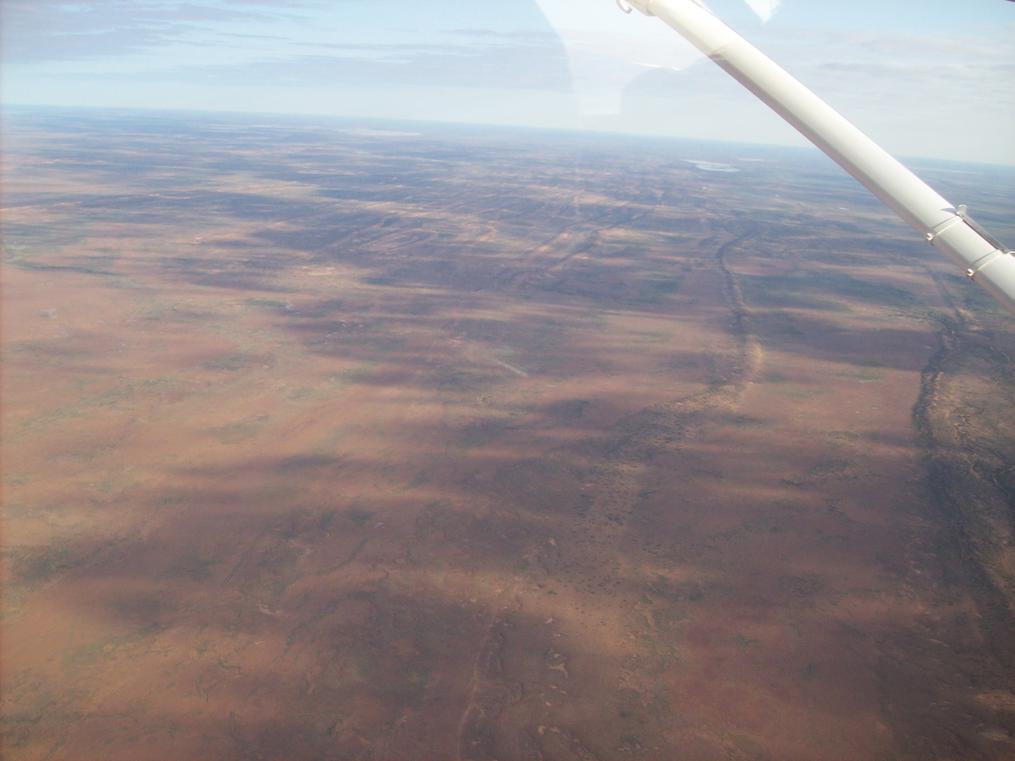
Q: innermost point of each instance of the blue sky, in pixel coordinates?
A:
(924, 78)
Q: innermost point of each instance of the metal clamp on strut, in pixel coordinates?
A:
(999, 248)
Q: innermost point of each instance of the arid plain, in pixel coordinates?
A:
(346, 441)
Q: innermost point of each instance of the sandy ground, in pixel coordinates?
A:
(321, 445)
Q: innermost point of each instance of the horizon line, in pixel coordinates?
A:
(806, 146)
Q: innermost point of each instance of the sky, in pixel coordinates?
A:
(925, 78)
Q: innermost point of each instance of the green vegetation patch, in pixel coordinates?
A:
(26, 264)
(236, 361)
(745, 642)
(269, 304)
(241, 430)
(358, 516)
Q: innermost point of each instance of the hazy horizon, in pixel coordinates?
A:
(931, 82)
(572, 131)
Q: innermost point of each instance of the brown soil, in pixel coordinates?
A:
(319, 445)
